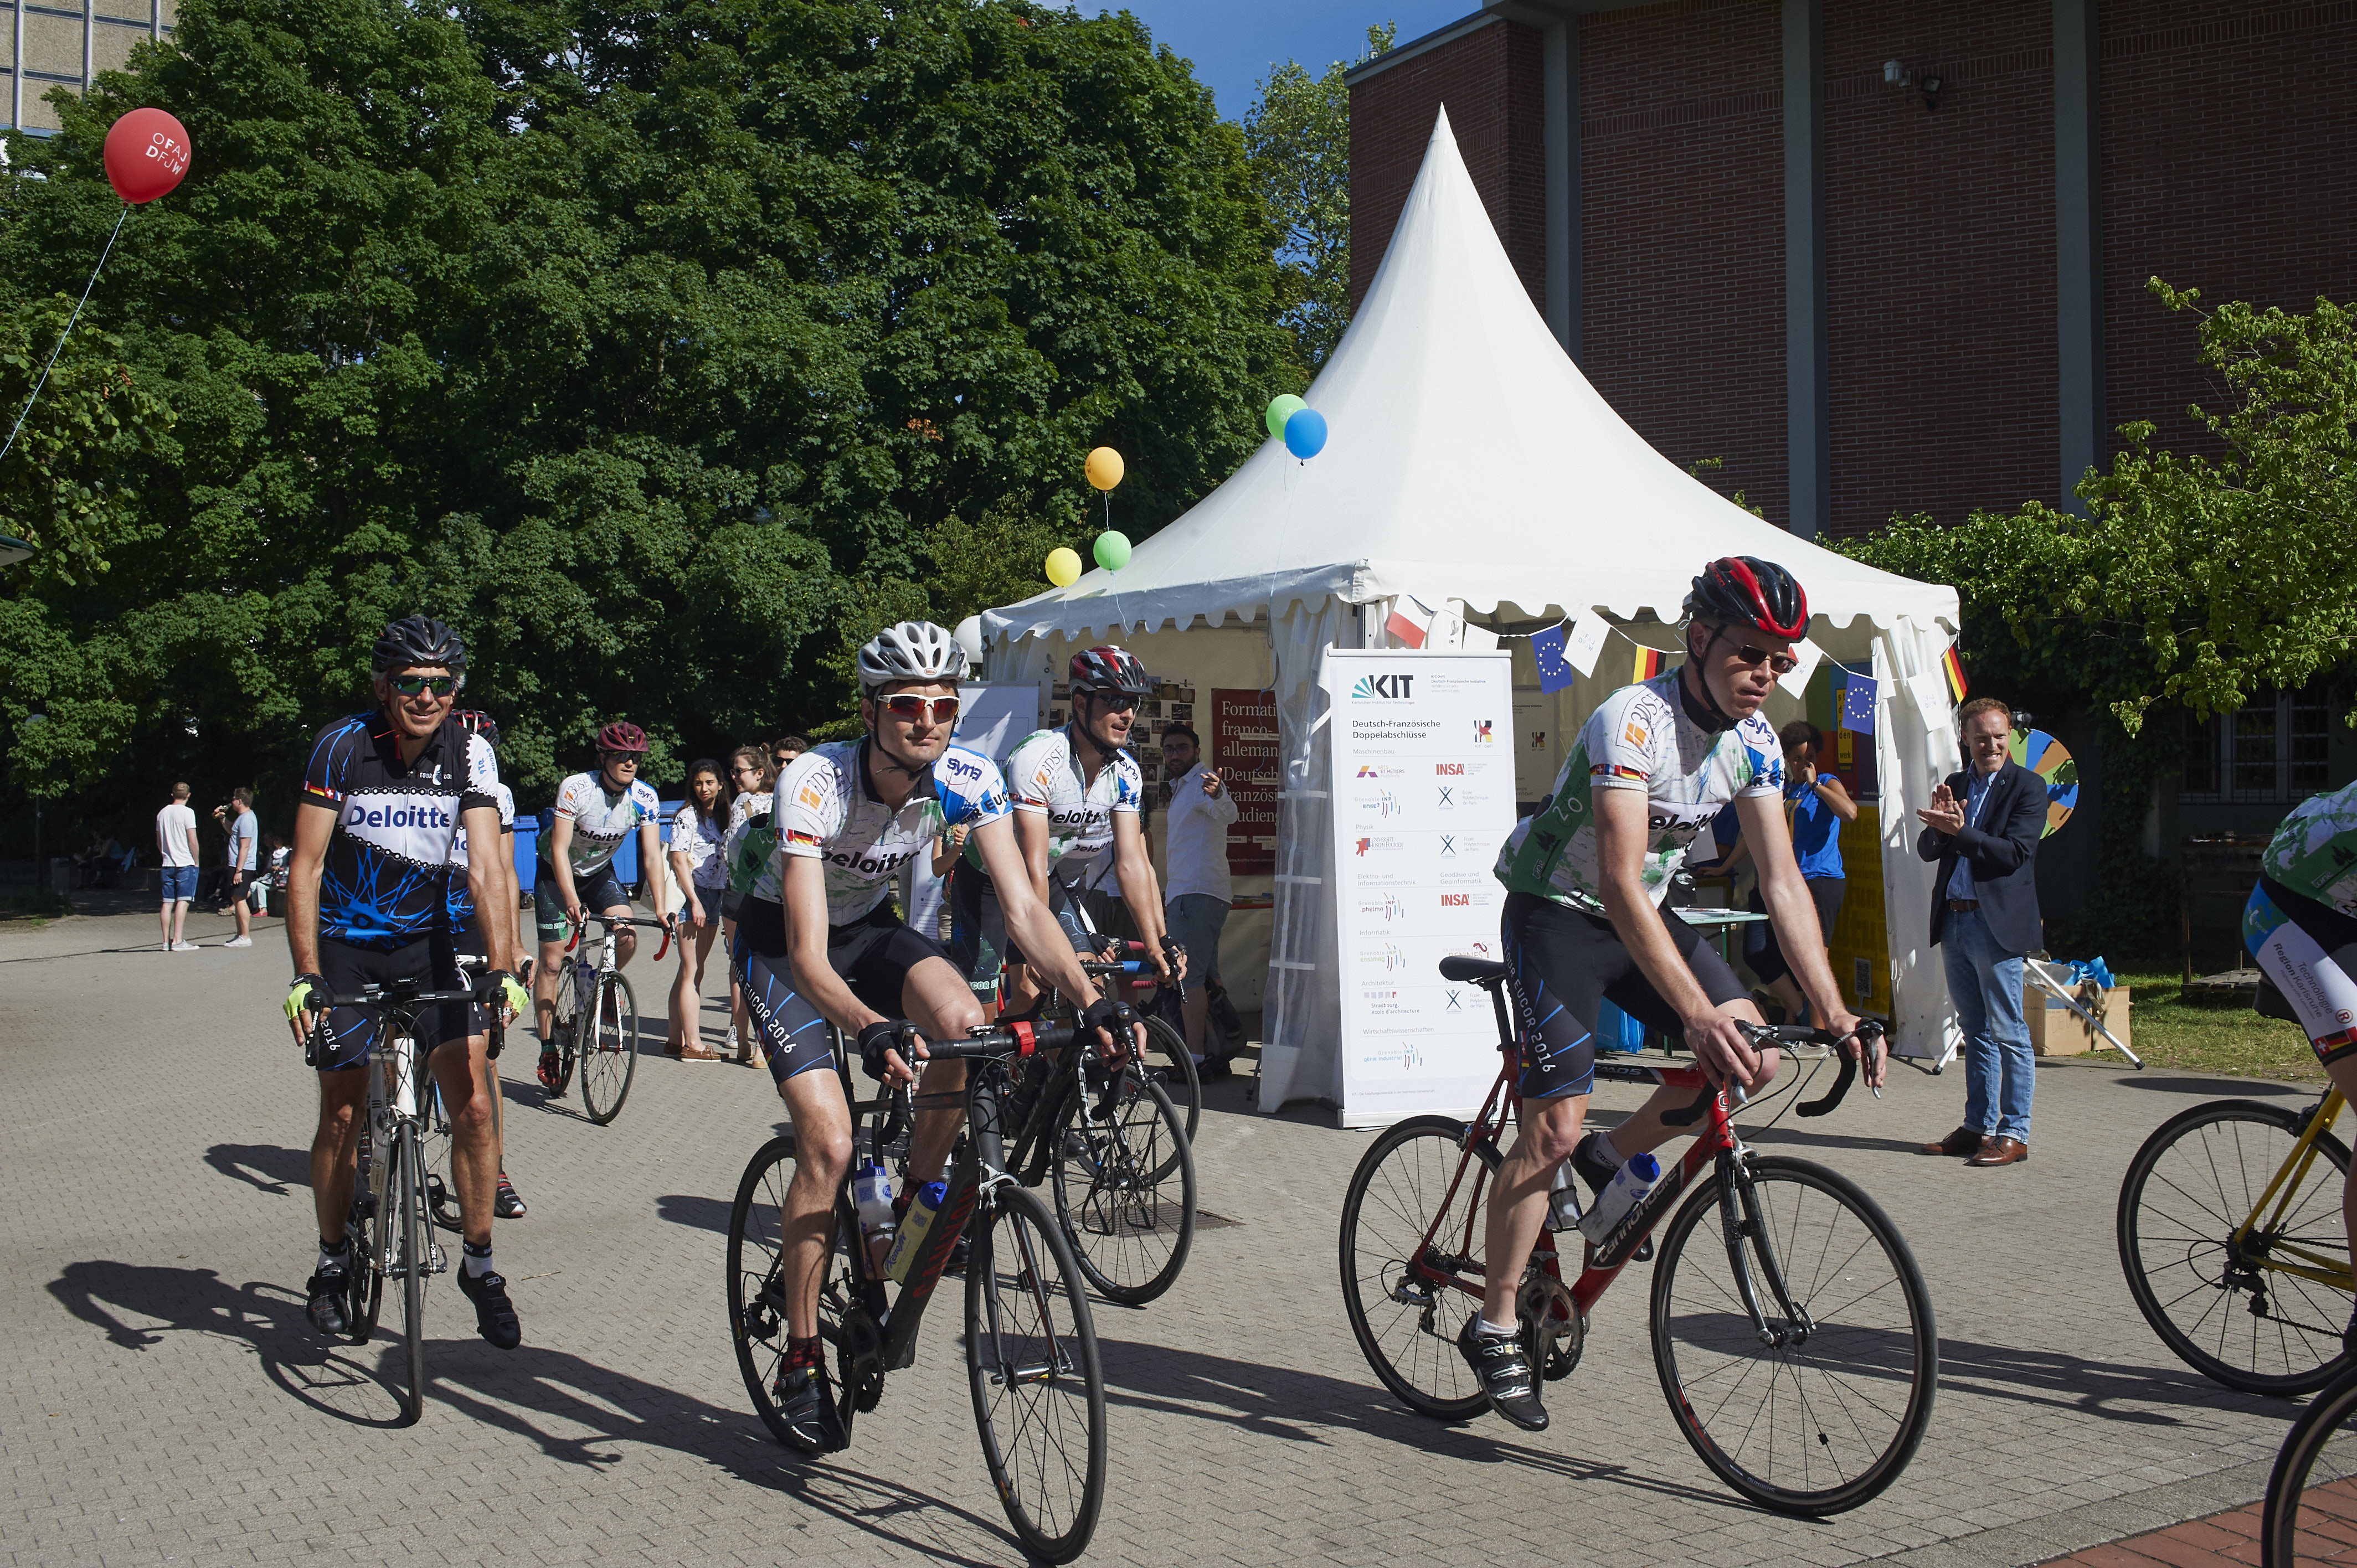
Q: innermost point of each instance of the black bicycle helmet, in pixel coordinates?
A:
(1743, 590)
(418, 643)
(1109, 669)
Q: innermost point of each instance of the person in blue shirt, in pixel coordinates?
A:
(1816, 804)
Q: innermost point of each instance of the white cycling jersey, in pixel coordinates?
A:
(1044, 779)
(507, 826)
(602, 818)
(827, 810)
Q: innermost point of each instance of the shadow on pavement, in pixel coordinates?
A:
(702, 1213)
(510, 1392)
(274, 1170)
(2073, 1382)
(1293, 1406)
(2224, 1088)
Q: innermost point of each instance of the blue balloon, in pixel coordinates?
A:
(1305, 433)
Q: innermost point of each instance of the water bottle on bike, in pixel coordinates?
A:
(1634, 1180)
(914, 1227)
(871, 1194)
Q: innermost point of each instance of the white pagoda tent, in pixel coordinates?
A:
(1473, 468)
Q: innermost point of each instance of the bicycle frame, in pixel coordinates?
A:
(2320, 1268)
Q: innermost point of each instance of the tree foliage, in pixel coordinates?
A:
(1298, 135)
(658, 347)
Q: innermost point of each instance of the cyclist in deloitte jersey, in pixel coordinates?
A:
(594, 812)
(1077, 796)
(1583, 921)
(466, 939)
(2301, 926)
(820, 944)
(383, 797)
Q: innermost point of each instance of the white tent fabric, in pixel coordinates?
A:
(1468, 460)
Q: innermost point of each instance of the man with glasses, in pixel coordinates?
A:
(382, 797)
(1584, 920)
(782, 752)
(820, 943)
(1078, 796)
(594, 813)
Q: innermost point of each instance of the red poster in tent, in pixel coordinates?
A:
(1245, 748)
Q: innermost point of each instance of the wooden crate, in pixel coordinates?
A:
(2056, 1031)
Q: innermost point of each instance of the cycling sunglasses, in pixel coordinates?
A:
(1119, 702)
(908, 705)
(1781, 663)
(410, 685)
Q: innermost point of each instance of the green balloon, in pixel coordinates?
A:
(1113, 550)
(1279, 410)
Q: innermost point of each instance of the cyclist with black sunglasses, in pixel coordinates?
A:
(1079, 798)
(1583, 920)
(820, 942)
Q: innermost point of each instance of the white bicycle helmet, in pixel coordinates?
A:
(912, 650)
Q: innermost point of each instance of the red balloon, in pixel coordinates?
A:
(146, 155)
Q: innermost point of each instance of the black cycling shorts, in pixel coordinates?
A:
(351, 1032)
(873, 956)
(1564, 962)
(599, 891)
(1763, 952)
(978, 939)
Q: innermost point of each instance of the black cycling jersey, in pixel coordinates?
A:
(386, 879)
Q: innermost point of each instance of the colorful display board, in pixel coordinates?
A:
(1423, 782)
(2051, 761)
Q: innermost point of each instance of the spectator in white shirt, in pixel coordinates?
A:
(175, 843)
(1195, 893)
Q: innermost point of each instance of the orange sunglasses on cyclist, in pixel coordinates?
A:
(910, 706)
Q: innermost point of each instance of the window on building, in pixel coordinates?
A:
(2273, 751)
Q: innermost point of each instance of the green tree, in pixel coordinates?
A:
(1298, 135)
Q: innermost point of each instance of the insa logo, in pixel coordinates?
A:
(1450, 769)
(1392, 686)
(1456, 900)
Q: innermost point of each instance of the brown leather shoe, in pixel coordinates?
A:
(1962, 1141)
(698, 1053)
(2000, 1151)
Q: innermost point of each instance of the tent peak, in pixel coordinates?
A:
(1441, 130)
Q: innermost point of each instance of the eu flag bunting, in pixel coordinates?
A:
(1554, 670)
(1858, 705)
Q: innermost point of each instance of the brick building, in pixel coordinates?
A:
(51, 43)
(1885, 257)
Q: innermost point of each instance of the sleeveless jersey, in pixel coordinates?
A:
(2314, 852)
(827, 811)
(1639, 738)
(1043, 779)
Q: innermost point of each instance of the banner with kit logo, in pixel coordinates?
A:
(1423, 794)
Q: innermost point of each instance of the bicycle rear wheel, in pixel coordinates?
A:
(757, 1287)
(1166, 1059)
(1038, 1390)
(2199, 1175)
(441, 1175)
(2310, 1495)
(610, 1049)
(1406, 1322)
(1826, 1416)
(402, 1235)
(1125, 1184)
(364, 1286)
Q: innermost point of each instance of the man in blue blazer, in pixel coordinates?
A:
(1983, 827)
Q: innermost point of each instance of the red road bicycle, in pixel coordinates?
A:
(1796, 1347)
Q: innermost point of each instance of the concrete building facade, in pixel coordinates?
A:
(51, 44)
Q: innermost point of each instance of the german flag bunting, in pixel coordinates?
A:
(1953, 668)
(1650, 663)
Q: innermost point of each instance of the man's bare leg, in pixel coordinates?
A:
(1518, 1195)
(474, 1132)
(822, 1153)
(343, 1101)
(1646, 1130)
(938, 1000)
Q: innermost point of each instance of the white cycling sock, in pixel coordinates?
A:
(342, 1255)
(1604, 1148)
(1483, 1326)
(477, 1263)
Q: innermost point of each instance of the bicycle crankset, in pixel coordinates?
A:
(1553, 1334)
(860, 1358)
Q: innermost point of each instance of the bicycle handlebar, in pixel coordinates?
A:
(387, 1000)
(1007, 1040)
(1789, 1035)
(610, 921)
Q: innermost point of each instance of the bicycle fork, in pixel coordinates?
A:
(1741, 1221)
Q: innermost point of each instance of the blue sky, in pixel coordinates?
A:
(1233, 42)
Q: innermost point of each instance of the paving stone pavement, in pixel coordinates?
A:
(164, 1401)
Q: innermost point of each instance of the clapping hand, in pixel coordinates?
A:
(1946, 812)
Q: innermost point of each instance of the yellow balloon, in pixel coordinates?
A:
(1064, 566)
(1105, 468)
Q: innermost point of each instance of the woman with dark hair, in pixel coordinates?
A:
(1816, 805)
(744, 850)
(702, 872)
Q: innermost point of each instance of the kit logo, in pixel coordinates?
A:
(1395, 687)
(1482, 734)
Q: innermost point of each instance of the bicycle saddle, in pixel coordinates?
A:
(1478, 971)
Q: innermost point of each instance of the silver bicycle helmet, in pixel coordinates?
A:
(912, 650)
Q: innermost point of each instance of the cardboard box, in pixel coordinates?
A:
(2056, 1031)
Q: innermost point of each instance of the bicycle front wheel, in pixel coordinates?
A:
(403, 1234)
(1414, 1183)
(2225, 1311)
(1125, 1184)
(610, 1049)
(1038, 1390)
(1166, 1059)
(2310, 1495)
(1825, 1413)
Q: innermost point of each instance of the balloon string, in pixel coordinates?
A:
(62, 335)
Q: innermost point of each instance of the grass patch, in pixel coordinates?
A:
(35, 906)
(2168, 1031)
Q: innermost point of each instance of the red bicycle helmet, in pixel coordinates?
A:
(1743, 590)
(474, 721)
(1110, 669)
(621, 735)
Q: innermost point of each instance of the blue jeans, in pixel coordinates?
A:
(1195, 921)
(2000, 1069)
